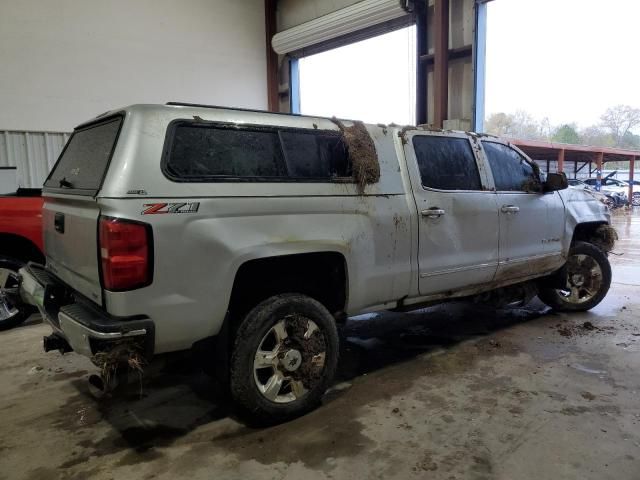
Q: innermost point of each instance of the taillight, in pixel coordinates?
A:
(125, 252)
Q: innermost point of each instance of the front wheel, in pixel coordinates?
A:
(12, 310)
(586, 280)
(284, 358)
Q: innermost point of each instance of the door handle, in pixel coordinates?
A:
(432, 212)
(510, 209)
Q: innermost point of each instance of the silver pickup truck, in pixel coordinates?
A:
(248, 235)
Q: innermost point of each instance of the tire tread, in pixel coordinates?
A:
(253, 327)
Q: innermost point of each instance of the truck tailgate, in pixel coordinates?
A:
(70, 227)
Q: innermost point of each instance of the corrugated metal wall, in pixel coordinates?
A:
(34, 153)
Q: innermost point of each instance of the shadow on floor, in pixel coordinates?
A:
(182, 398)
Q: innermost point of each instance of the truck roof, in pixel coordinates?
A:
(249, 115)
(213, 112)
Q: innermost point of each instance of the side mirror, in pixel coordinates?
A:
(556, 181)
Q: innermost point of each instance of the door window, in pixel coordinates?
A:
(511, 171)
(446, 163)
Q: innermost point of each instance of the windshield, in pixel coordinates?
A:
(84, 161)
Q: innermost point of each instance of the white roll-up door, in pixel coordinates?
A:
(365, 14)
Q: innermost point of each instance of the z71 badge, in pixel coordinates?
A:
(161, 208)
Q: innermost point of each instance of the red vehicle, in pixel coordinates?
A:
(20, 242)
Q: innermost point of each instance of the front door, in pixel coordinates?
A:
(531, 222)
(458, 216)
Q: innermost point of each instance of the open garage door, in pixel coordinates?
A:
(364, 19)
(357, 61)
(372, 80)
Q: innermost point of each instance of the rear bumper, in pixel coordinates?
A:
(85, 327)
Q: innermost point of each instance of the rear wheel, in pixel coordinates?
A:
(12, 310)
(586, 280)
(635, 199)
(284, 358)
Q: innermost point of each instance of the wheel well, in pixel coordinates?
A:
(321, 275)
(598, 233)
(20, 248)
(584, 231)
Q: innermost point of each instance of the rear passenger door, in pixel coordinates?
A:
(531, 222)
(458, 219)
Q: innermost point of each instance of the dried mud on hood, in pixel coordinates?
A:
(362, 151)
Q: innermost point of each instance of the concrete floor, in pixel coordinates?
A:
(452, 392)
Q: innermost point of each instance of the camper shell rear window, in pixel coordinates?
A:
(197, 151)
(84, 161)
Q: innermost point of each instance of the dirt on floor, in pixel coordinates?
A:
(455, 391)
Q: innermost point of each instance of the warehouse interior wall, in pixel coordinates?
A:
(67, 61)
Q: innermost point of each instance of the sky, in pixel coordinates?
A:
(567, 60)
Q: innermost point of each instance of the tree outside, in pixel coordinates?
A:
(619, 121)
(567, 133)
(616, 128)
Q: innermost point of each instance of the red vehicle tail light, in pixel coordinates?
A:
(125, 254)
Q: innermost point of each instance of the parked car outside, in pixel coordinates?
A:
(606, 198)
(620, 187)
(248, 236)
(20, 242)
(635, 200)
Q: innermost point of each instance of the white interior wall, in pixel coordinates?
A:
(65, 61)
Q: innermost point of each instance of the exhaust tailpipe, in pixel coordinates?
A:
(123, 378)
(56, 342)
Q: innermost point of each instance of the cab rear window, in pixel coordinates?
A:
(85, 159)
(217, 152)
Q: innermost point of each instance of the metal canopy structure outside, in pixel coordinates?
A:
(566, 153)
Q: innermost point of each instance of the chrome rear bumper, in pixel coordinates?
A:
(82, 324)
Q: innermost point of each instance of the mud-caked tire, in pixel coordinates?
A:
(585, 281)
(283, 359)
(13, 312)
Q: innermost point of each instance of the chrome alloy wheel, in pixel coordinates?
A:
(290, 359)
(9, 285)
(584, 279)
